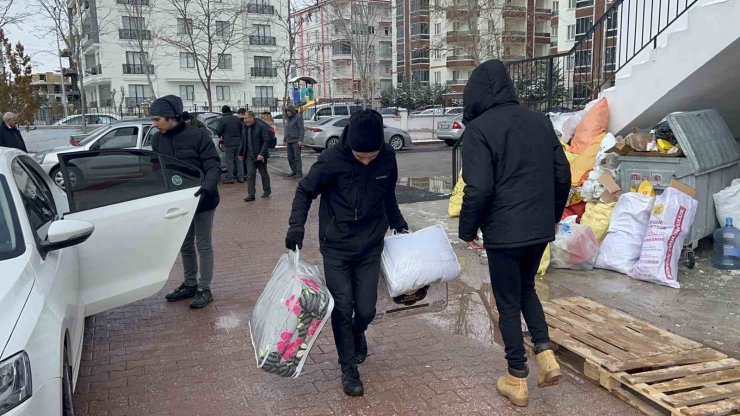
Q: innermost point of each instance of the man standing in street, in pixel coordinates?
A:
(10, 136)
(230, 131)
(194, 146)
(517, 181)
(255, 150)
(351, 230)
(294, 132)
(192, 120)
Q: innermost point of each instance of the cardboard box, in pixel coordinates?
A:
(434, 300)
(611, 188)
(684, 188)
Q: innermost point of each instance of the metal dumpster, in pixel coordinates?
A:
(711, 162)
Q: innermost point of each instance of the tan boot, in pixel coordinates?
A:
(549, 369)
(513, 388)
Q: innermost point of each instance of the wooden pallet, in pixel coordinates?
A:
(656, 371)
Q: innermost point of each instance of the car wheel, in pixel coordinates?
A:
(396, 142)
(58, 177)
(449, 142)
(332, 141)
(67, 387)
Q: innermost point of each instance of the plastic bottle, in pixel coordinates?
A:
(727, 247)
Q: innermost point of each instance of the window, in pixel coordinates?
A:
(420, 29)
(264, 94)
(182, 28)
(121, 138)
(11, 237)
(262, 30)
(224, 61)
(437, 28)
(187, 92)
(555, 6)
(263, 62)
(571, 32)
(612, 23)
(187, 60)
(386, 49)
(139, 91)
(132, 23)
(341, 47)
(420, 76)
(386, 84)
(583, 24)
(136, 58)
(581, 92)
(583, 59)
(455, 75)
(571, 4)
(223, 93)
(37, 199)
(610, 58)
(324, 112)
(342, 123)
(437, 77)
(387, 31)
(223, 29)
(341, 110)
(584, 3)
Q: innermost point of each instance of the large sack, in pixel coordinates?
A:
(456, 199)
(597, 217)
(289, 316)
(591, 128)
(412, 261)
(584, 163)
(670, 222)
(544, 262)
(621, 247)
(575, 246)
(727, 203)
(565, 124)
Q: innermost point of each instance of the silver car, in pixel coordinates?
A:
(326, 133)
(450, 130)
(129, 134)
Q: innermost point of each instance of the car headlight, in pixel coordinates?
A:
(38, 157)
(15, 381)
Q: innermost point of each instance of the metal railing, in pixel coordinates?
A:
(265, 103)
(133, 2)
(260, 71)
(260, 8)
(137, 69)
(138, 34)
(262, 40)
(95, 70)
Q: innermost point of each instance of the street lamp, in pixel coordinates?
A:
(61, 70)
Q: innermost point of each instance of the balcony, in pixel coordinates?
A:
(134, 34)
(262, 40)
(260, 8)
(460, 61)
(269, 103)
(88, 39)
(542, 12)
(514, 35)
(263, 72)
(138, 69)
(94, 70)
(515, 11)
(134, 102)
(453, 82)
(133, 2)
(385, 58)
(454, 36)
(341, 56)
(542, 34)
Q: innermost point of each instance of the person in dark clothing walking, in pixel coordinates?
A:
(230, 131)
(10, 136)
(517, 183)
(294, 132)
(255, 150)
(192, 120)
(356, 181)
(194, 146)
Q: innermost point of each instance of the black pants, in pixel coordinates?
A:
(354, 287)
(512, 278)
(251, 167)
(294, 159)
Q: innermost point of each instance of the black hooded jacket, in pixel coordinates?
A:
(517, 178)
(230, 129)
(358, 203)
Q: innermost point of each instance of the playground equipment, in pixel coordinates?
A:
(303, 93)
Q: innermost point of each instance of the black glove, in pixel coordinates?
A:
(294, 239)
(200, 191)
(402, 230)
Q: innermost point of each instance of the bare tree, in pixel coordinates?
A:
(287, 23)
(10, 15)
(206, 30)
(142, 36)
(477, 29)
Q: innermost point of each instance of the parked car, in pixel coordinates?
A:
(129, 134)
(64, 257)
(388, 111)
(91, 119)
(450, 130)
(322, 111)
(327, 132)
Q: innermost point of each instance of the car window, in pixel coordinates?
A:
(120, 138)
(324, 112)
(147, 142)
(35, 195)
(341, 123)
(324, 121)
(213, 124)
(355, 108)
(145, 132)
(341, 110)
(308, 114)
(11, 237)
(74, 121)
(93, 135)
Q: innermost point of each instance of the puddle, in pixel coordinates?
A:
(434, 188)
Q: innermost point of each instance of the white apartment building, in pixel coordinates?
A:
(114, 61)
(324, 51)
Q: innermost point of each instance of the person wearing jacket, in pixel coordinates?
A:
(194, 146)
(517, 181)
(230, 131)
(356, 181)
(192, 120)
(294, 132)
(255, 150)
(10, 136)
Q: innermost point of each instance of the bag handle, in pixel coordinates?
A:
(294, 257)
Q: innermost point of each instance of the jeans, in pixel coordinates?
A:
(252, 167)
(294, 159)
(512, 278)
(354, 287)
(199, 235)
(234, 166)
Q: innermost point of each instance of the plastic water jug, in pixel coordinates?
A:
(727, 247)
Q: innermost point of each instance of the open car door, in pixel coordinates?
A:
(141, 204)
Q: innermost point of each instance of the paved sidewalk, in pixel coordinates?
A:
(159, 358)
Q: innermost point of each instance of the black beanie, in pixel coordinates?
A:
(169, 106)
(365, 131)
(225, 109)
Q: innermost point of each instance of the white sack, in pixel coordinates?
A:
(566, 124)
(575, 246)
(621, 247)
(727, 203)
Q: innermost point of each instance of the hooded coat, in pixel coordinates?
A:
(517, 178)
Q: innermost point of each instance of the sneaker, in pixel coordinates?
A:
(266, 194)
(182, 292)
(360, 348)
(249, 199)
(202, 298)
(351, 381)
(289, 175)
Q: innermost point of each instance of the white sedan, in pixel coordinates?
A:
(111, 240)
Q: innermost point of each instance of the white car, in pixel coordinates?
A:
(90, 118)
(111, 240)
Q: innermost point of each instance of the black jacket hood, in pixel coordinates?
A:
(489, 86)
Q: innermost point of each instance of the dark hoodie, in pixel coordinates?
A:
(517, 178)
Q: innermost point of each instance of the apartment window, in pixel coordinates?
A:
(581, 92)
(137, 58)
(437, 28)
(132, 23)
(183, 28)
(420, 76)
(571, 32)
(437, 77)
(264, 94)
(223, 93)
(187, 60)
(386, 49)
(571, 4)
(139, 91)
(583, 24)
(420, 56)
(336, 30)
(386, 69)
(584, 3)
(371, 30)
(612, 23)
(456, 26)
(224, 61)
(387, 30)
(583, 59)
(187, 92)
(223, 29)
(455, 75)
(341, 47)
(420, 29)
(555, 6)
(316, 36)
(610, 58)
(263, 62)
(386, 84)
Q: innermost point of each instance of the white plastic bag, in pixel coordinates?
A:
(670, 222)
(289, 316)
(412, 261)
(727, 203)
(566, 124)
(575, 246)
(621, 247)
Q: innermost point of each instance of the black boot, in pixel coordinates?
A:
(351, 381)
(182, 292)
(360, 348)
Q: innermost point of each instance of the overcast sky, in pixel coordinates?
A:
(42, 49)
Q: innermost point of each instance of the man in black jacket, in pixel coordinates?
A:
(230, 131)
(255, 150)
(194, 146)
(517, 182)
(10, 136)
(356, 181)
